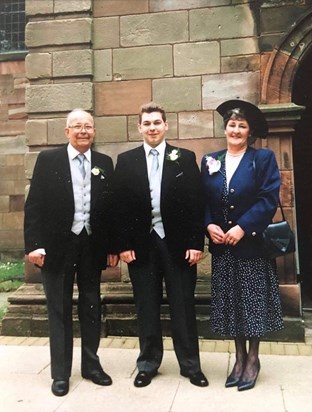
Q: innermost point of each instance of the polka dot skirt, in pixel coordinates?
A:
(245, 296)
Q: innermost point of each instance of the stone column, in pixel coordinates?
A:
(282, 119)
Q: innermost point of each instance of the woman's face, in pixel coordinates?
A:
(237, 132)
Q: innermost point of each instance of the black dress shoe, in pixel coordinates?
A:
(59, 387)
(99, 378)
(198, 378)
(232, 381)
(143, 379)
(245, 385)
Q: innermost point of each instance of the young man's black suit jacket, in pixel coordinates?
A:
(49, 208)
(181, 203)
(157, 259)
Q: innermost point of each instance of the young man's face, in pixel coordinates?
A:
(153, 128)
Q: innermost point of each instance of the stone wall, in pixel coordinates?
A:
(109, 57)
(12, 152)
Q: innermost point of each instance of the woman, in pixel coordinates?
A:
(241, 186)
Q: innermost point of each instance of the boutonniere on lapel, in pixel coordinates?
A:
(97, 171)
(214, 165)
(174, 155)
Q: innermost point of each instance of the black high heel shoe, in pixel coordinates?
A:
(232, 381)
(245, 385)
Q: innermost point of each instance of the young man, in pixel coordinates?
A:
(67, 232)
(160, 236)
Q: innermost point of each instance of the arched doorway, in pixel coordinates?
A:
(302, 155)
(286, 83)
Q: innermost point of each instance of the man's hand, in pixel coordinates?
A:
(193, 256)
(36, 258)
(127, 256)
(112, 260)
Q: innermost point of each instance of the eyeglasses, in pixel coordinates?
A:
(79, 127)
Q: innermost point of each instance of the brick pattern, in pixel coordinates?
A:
(189, 56)
(12, 148)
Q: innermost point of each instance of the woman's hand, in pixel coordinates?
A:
(216, 233)
(234, 235)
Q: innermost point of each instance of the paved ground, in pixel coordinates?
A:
(284, 383)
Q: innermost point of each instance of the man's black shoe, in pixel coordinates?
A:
(60, 387)
(198, 378)
(143, 379)
(99, 378)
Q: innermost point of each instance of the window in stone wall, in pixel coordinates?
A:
(12, 26)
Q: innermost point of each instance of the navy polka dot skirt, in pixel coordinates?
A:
(245, 296)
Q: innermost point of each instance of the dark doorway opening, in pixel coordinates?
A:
(302, 157)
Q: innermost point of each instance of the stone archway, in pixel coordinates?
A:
(283, 115)
(284, 61)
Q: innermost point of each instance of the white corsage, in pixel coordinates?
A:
(173, 155)
(96, 171)
(213, 165)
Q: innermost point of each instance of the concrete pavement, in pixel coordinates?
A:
(284, 382)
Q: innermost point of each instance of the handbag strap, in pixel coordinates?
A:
(280, 206)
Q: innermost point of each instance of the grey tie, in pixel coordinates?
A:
(155, 163)
(81, 157)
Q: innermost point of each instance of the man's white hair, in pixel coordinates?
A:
(73, 114)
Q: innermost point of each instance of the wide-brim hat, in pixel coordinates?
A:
(253, 115)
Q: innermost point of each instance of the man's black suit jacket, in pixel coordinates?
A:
(181, 203)
(49, 208)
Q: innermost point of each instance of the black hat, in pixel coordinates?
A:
(250, 112)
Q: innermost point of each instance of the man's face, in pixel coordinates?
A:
(153, 128)
(81, 131)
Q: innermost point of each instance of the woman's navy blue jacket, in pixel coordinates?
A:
(253, 198)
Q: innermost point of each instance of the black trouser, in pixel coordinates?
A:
(59, 291)
(180, 281)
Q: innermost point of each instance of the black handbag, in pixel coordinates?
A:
(278, 238)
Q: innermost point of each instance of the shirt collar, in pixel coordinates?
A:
(160, 148)
(72, 153)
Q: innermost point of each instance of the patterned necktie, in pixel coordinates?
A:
(81, 157)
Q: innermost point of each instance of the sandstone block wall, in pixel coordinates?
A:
(110, 56)
(12, 150)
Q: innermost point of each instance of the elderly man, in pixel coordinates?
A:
(67, 234)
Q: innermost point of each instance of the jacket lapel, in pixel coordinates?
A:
(63, 170)
(140, 168)
(171, 170)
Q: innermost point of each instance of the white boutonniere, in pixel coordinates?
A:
(96, 171)
(174, 155)
(214, 165)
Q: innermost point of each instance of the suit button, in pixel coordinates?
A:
(253, 234)
(232, 190)
(231, 207)
(230, 222)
